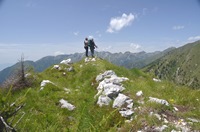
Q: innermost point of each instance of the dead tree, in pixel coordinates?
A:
(18, 80)
(5, 115)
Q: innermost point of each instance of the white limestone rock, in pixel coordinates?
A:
(161, 129)
(87, 59)
(44, 83)
(70, 69)
(130, 106)
(99, 78)
(176, 109)
(103, 100)
(193, 120)
(109, 89)
(116, 80)
(156, 80)
(160, 101)
(93, 59)
(67, 90)
(182, 125)
(27, 75)
(139, 93)
(112, 90)
(126, 113)
(106, 74)
(66, 62)
(65, 104)
(56, 67)
(120, 101)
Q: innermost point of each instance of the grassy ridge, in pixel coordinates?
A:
(181, 66)
(43, 111)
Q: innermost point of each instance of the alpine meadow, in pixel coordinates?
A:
(65, 97)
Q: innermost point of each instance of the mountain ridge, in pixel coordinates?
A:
(181, 65)
(127, 59)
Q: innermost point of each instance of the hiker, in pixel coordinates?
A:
(92, 46)
(86, 47)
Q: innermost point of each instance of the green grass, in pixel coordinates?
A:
(180, 66)
(43, 111)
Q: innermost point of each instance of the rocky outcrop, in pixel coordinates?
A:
(110, 88)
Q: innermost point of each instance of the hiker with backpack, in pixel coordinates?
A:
(86, 46)
(92, 46)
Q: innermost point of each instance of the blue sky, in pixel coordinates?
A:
(38, 28)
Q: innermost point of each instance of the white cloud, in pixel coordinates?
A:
(31, 4)
(10, 53)
(90, 37)
(116, 47)
(107, 48)
(135, 47)
(58, 53)
(76, 33)
(117, 23)
(194, 38)
(98, 34)
(179, 27)
(144, 11)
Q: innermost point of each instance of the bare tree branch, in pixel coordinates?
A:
(6, 126)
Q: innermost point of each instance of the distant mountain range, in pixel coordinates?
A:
(181, 65)
(127, 59)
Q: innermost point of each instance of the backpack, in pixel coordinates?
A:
(91, 44)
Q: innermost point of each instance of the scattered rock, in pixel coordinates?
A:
(161, 129)
(93, 59)
(156, 115)
(64, 73)
(56, 67)
(126, 112)
(67, 90)
(43, 83)
(176, 109)
(27, 75)
(70, 69)
(65, 104)
(87, 59)
(193, 120)
(156, 80)
(139, 93)
(66, 62)
(182, 125)
(160, 101)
